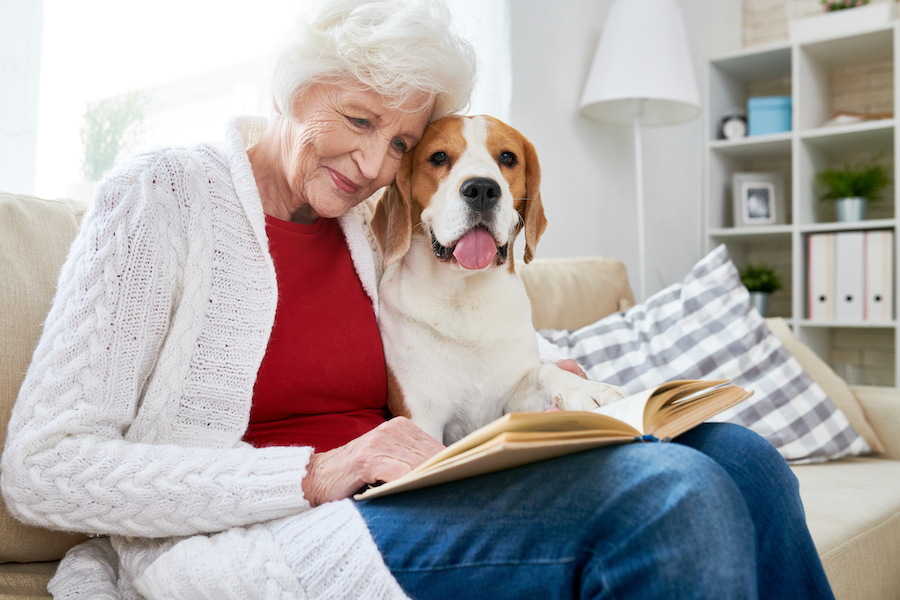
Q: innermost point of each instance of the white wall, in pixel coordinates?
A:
(588, 182)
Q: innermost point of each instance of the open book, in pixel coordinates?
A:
(658, 414)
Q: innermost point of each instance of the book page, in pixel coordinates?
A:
(677, 418)
(679, 392)
(629, 410)
(520, 438)
(525, 422)
(497, 455)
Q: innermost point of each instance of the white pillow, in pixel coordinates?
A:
(705, 328)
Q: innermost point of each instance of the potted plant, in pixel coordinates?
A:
(852, 187)
(833, 5)
(761, 280)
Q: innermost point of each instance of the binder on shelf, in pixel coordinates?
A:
(820, 271)
(879, 276)
(849, 275)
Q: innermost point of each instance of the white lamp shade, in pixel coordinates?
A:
(643, 54)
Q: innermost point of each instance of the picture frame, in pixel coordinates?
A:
(758, 199)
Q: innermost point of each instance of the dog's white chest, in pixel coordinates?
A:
(457, 357)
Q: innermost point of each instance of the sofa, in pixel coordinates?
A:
(852, 504)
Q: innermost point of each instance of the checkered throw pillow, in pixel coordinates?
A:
(705, 328)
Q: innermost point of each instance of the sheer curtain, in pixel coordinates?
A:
(486, 23)
(21, 24)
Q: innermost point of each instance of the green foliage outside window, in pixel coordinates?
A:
(109, 126)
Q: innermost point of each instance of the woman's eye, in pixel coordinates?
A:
(508, 159)
(438, 158)
(400, 145)
(360, 122)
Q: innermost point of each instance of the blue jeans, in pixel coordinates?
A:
(715, 514)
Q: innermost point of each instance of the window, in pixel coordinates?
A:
(196, 63)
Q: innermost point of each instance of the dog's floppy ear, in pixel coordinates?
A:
(533, 212)
(392, 222)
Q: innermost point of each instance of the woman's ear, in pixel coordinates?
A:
(533, 212)
(392, 222)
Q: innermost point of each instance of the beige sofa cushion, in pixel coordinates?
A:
(569, 293)
(25, 581)
(836, 388)
(853, 511)
(35, 236)
(882, 408)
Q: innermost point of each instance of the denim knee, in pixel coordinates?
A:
(680, 520)
(745, 455)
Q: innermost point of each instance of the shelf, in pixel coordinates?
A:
(868, 224)
(845, 324)
(850, 72)
(775, 145)
(851, 50)
(853, 137)
(760, 233)
(752, 65)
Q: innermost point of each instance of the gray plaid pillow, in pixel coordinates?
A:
(705, 328)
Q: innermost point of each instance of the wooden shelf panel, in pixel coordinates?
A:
(854, 137)
(745, 234)
(848, 226)
(848, 324)
(775, 146)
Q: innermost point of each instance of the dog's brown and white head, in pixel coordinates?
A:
(470, 186)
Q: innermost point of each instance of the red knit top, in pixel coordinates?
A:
(322, 381)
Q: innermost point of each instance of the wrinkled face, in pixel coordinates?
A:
(469, 186)
(344, 145)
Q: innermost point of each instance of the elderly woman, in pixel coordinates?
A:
(221, 295)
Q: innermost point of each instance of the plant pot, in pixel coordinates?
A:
(760, 301)
(851, 209)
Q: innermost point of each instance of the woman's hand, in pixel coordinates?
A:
(388, 452)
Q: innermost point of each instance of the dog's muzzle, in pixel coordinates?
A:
(476, 249)
(446, 253)
(481, 194)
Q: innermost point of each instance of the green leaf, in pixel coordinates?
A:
(864, 180)
(760, 277)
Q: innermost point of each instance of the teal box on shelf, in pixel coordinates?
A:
(768, 114)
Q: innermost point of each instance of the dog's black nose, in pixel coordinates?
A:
(481, 193)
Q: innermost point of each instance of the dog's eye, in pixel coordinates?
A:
(438, 158)
(508, 159)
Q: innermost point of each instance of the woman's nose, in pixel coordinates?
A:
(370, 157)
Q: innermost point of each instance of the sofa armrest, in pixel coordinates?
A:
(569, 293)
(882, 408)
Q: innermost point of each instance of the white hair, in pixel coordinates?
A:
(401, 49)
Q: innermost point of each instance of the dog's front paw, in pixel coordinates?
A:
(589, 395)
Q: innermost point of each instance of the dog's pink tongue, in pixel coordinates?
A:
(476, 249)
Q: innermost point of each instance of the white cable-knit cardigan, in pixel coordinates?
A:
(129, 421)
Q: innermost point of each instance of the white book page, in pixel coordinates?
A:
(628, 410)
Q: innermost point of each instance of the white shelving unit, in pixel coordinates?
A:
(804, 70)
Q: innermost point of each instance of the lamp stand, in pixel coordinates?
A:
(637, 111)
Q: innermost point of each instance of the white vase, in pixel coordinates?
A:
(851, 209)
(760, 301)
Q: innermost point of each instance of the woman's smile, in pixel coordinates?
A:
(343, 183)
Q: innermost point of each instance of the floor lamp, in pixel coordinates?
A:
(642, 75)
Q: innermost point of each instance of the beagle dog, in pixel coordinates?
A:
(459, 342)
